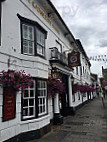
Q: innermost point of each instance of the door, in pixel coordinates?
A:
(64, 98)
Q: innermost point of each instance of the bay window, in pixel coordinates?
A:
(33, 38)
(34, 100)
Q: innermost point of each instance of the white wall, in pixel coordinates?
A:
(14, 127)
(36, 66)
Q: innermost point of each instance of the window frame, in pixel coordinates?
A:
(36, 102)
(77, 70)
(36, 25)
(28, 24)
(42, 114)
(22, 96)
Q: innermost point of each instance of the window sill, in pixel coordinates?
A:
(35, 119)
(33, 58)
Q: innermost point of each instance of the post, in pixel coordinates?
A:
(56, 104)
(58, 119)
(71, 108)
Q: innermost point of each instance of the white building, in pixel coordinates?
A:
(34, 38)
(81, 76)
(29, 29)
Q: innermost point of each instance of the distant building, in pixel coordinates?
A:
(104, 79)
(96, 84)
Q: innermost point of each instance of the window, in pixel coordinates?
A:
(28, 102)
(28, 39)
(40, 42)
(33, 38)
(42, 97)
(77, 70)
(34, 100)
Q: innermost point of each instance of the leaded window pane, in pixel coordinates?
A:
(28, 39)
(40, 42)
(29, 102)
(42, 95)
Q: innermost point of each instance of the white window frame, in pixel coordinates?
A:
(28, 98)
(28, 40)
(40, 43)
(43, 96)
(36, 42)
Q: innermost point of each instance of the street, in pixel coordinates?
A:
(88, 125)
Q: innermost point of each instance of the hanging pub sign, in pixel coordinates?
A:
(9, 104)
(74, 59)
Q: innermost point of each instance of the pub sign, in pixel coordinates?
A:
(74, 59)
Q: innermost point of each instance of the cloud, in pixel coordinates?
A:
(87, 21)
(103, 43)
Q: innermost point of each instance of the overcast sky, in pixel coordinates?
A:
(87, 20)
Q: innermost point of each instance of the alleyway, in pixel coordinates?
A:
(88, 125)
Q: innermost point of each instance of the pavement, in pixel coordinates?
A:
(88, 125)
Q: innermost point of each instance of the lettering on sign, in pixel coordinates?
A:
(42, 13)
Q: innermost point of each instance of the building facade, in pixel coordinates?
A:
(81, 76)
(34, 38)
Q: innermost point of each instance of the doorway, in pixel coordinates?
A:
(64, 98)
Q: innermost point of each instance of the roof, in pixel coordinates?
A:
(60, 18)
(81, 49)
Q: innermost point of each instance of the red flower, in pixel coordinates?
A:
(55, 86)
(16, 79)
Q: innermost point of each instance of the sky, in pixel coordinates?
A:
(87, 20)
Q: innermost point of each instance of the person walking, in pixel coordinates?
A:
(102, 96)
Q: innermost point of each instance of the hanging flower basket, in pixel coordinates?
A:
(85, 88)
(55, 86)
(17, 80)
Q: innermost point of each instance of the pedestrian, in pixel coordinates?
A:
(102, 96)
